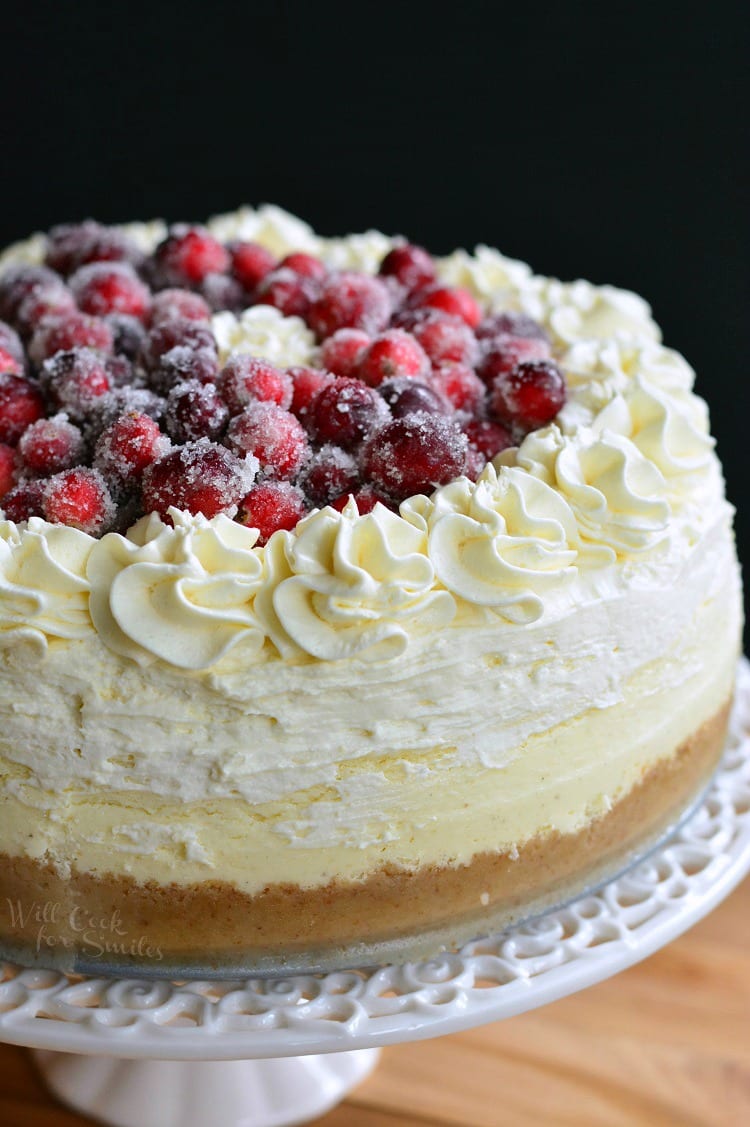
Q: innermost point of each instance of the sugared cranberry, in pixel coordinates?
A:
(306, 383)
(175, 332)
(200, 477)
(306, 265)
(404, 396)
(250, 263)
(445, 339)
(127, 446)
(21, 404)
(110, 287)
(461, 386)
(80, 498)
(195, 410)
(121, 401)
(272, 435)
(410, 264)
(71, 330)
(75, 380)
(529, 396)
(222, 291)
(7, 469)
(76, 244)
(128, 334)
(414, 455)
(330, 472)
(342, 352)
(346, 411)
(271, 505)
(183, 363)
(453, 300)
(50, 445)
(504, 352)
(25, 500)
(510, 324)
(248, 378)
(17, 282)
(393, 353)
(188, 254)
(41, 304)
(287, 291)
(171, 304)
(488, 437)
(11, 345)
(350, 301)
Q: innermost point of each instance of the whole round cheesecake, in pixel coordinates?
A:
(353, 601)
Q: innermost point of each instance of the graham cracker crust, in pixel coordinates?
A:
(52, 921)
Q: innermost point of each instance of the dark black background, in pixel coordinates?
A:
(606, 143)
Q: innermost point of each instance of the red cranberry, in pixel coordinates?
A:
(75, 380)
(25, 500)
(342, 352)
(41, 304)
(271, 505)
(306, 383)
(7, 469)
(461, 386)
(306, 265)
(529, 396)
(221, 291)
(445, 339)
(365, 499)
(287, 291)
(199, 477)
(404, 396)
(71, 330)
(350, 301)
(393, 353)
(51, 445)
(504, 352)
(487, 437)
(250, 263)
(330, 472)
(177, 332)
(195, 410)
(454, 300)
(188, 254)
(510, 324)
(121, 401)
(410, 264)
(247, 378)
(272, 435)
(21, 404)
(129, 335)
(176, 304)
(184, 363)
(76, 244)
(80, 498)
(110, 287)
(127, 446)
(18, 282)
(346, 411)
(414, 455)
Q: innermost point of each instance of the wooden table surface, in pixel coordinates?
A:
(664, 1044)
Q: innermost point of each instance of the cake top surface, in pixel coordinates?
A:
(243, 442)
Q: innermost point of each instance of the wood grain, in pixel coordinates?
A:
(665, 1044)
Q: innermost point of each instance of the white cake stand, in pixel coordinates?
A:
(250, 1053)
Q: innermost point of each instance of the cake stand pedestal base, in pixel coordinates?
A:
(235, 1093)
